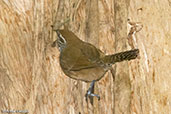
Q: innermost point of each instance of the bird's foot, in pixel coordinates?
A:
(90, 92)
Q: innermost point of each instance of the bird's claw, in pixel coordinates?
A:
(90, 92)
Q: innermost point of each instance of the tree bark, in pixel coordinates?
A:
(32, 80)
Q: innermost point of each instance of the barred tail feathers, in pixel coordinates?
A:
(118, 57)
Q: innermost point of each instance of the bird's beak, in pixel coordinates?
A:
(54, 43)
(58, 33)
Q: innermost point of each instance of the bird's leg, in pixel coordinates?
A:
(90, 91)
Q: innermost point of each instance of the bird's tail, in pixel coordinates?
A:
(118, 57)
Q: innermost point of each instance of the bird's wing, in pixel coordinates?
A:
(87, 56)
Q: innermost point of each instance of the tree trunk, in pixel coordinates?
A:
(32, 81)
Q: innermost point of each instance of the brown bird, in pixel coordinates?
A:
(83, 61)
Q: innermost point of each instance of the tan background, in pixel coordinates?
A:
(30, 75)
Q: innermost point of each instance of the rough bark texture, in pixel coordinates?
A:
(31, 78)
(122, 75)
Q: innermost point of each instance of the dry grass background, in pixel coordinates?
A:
(30, 75)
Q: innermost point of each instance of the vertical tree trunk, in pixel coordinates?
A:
(32, 80)
(122, 80)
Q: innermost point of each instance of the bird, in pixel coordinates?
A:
(81, 60)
